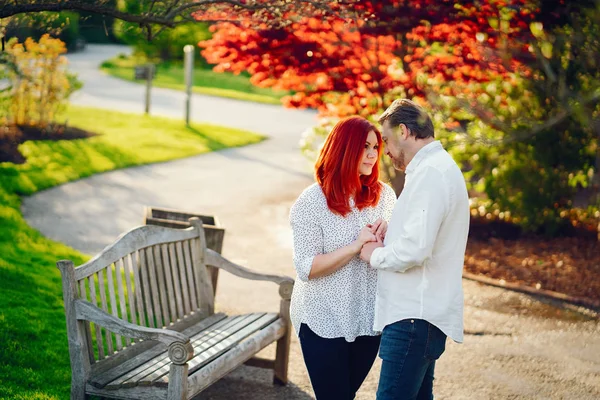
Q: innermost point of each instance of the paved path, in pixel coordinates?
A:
(516, 347)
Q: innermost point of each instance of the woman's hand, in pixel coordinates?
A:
(379, 229)
(366, 235)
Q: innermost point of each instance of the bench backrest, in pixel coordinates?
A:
(150, 276)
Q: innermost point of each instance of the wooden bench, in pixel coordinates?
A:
(141, 322)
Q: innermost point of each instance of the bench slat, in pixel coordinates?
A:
(154, 294)
(131, 377)
(102, 379)
(94, 300)
(86, 324)
(190, 276)
(169, 293)
(113, 302)
(207, 340)
(104, 305)
(230, 360)
(176, 281)
(160, 276)
(213, 352)
(139, 292)
(182, 278)
(130, 297)
(147, 291)
(119, 270)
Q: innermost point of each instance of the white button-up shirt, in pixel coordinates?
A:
(340, 304)
(420, 267)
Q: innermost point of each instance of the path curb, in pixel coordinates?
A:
(580, 301)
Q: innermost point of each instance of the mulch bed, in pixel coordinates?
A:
(568, 265)
(11, 136)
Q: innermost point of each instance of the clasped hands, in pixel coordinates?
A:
(371, 237)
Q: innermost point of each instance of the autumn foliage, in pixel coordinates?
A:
(382, 50)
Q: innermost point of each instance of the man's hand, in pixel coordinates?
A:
(379, 229)
(367, 250)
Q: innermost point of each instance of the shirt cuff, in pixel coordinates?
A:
(377, 257)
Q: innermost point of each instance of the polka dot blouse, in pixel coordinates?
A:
(341, 304)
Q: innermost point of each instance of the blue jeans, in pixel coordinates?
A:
(337, 368)
(409, 349)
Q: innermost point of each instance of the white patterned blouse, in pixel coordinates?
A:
(341, 304)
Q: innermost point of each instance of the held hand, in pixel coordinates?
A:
(379, 229)
(366, 235)
(367, 250)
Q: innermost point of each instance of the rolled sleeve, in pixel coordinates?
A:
(307, 237)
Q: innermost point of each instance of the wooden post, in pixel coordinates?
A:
(188, 54)
(282, 353)
(80, 364)
(149, 77)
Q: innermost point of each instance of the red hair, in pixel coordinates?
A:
(336, 169)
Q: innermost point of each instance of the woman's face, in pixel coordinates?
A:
(369, 157)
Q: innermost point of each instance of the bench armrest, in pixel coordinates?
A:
(180, 348)
(214, 259)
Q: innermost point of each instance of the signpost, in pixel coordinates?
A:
(188, 63)
(146, 72)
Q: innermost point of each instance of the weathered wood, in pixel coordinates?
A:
(210, 346)
(144, 272)
(101, 378)
(89, 312)
(210, 373)
(80, 366)
(94, 301)
(215, 259)
(113, 303)
(145, 373)
(178, 375)
(122, 303)
(135, 239)
(176, 282)
(139, 292)
(86, 325)
(154, 294)
(169, 292)
(282, 352)
(102, 288)
(182, 277)
(167, 284)
(190, 276)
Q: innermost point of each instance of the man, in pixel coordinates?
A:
(419, 292)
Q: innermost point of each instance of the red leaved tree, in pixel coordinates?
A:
(358, 62)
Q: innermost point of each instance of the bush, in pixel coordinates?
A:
(42, 85)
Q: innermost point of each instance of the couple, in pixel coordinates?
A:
(364, 287)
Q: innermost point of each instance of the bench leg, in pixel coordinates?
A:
(282, 353)
(178, 382)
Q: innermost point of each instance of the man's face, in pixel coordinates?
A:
(394, 149)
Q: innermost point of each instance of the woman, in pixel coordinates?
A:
(333, 301)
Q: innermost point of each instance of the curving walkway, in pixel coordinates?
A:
(516, 347)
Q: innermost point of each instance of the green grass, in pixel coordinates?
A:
(34, 360)
(206, 81)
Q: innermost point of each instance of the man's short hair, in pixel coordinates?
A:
(412, 115)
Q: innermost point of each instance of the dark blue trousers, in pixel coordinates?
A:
(409, 349)
(337, 368)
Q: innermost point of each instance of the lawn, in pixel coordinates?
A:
(34, 361)
(206, 81)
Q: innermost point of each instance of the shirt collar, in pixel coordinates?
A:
(422, 154)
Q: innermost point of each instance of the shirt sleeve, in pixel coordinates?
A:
(307, 235)
(421, 219)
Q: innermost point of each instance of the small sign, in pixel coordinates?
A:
(142, 72)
